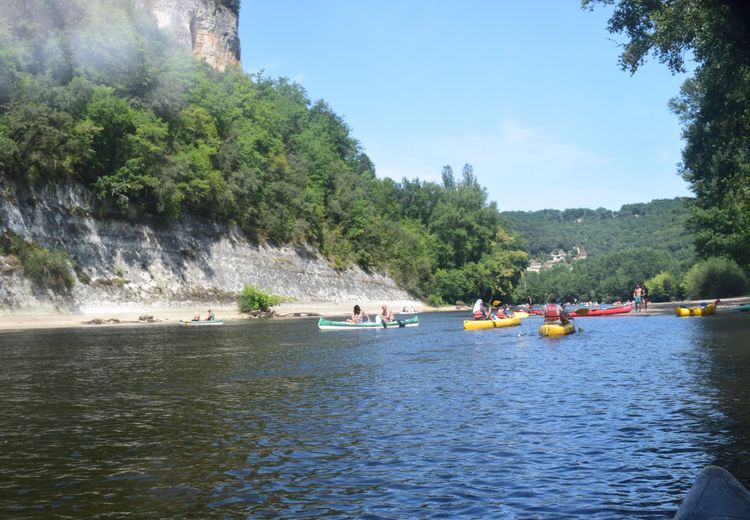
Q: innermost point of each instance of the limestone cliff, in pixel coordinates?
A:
(207, 28)
(122, 264)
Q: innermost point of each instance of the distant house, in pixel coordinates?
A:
(534, 267)
(558, 256)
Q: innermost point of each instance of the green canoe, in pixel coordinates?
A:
(201, 323)
(325, 324)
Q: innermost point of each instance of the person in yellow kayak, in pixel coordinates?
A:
(554, 312)
(480, 311)
(500, 312)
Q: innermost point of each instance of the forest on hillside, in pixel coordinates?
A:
(659, 224)
(95, 93)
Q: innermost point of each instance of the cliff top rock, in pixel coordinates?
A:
(207, 28)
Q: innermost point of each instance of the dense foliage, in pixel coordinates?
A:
(253, 299)
(93, 92)
(47, 269)
(659, 224)
(713, 105)
(715, 278)
(605, 278)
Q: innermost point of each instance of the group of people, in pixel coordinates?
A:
(497, 311)
(640, 297)
(360, 316)
(210, 317)
(553, 311)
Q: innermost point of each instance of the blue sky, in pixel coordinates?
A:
(528, 92)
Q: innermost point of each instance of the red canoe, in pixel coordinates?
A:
(609, 311)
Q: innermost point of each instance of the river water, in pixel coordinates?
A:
(277, 419)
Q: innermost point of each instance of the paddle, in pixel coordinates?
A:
(400, 325)
(571, 320)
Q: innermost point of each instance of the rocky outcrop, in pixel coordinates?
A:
(121, 264)
(207, 28)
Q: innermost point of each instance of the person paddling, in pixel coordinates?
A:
(386, 314)
(554, 312)
(500, 312)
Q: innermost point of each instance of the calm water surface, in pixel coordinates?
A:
(279, 420)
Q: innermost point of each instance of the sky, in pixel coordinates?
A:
(528, 92)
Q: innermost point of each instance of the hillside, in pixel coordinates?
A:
(105, 101)
(659, 224)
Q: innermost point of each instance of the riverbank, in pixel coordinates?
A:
(171, 315)
(154, 314)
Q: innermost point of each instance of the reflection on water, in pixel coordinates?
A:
(280, 420)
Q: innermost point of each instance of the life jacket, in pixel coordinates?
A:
(500, 313)
(551, 312)
(479, 315)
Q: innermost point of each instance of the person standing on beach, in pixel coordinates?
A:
(644, 298)
(637, 295)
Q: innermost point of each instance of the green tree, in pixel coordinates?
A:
(715, 277)
(663, 287)
(713, 105)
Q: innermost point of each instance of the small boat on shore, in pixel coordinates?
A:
(557, 329)
(584, 312)
(201, 323)
(741, 308)
(491, 324)
(325, 324)
(705, 309)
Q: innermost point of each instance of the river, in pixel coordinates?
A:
(276, 419)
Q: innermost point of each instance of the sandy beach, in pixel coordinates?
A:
(156, 315)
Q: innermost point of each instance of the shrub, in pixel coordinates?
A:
(663, 287)
(48, 269)
(253, 299)
(434, 300)
(715, 277)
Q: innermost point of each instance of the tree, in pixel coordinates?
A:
(713, 105)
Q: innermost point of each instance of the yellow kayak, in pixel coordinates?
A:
(557, 329)
(703, 310)
(491, 324)
(520, 314)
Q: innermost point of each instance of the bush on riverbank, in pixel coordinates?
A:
(47, 269)
(715, 277)
(253, 299)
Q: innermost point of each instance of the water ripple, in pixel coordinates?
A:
(278, 420)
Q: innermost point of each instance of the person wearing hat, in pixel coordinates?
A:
(500, 312)
(480, 311)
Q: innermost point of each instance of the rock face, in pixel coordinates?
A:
(207, 28)
(122, 264)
